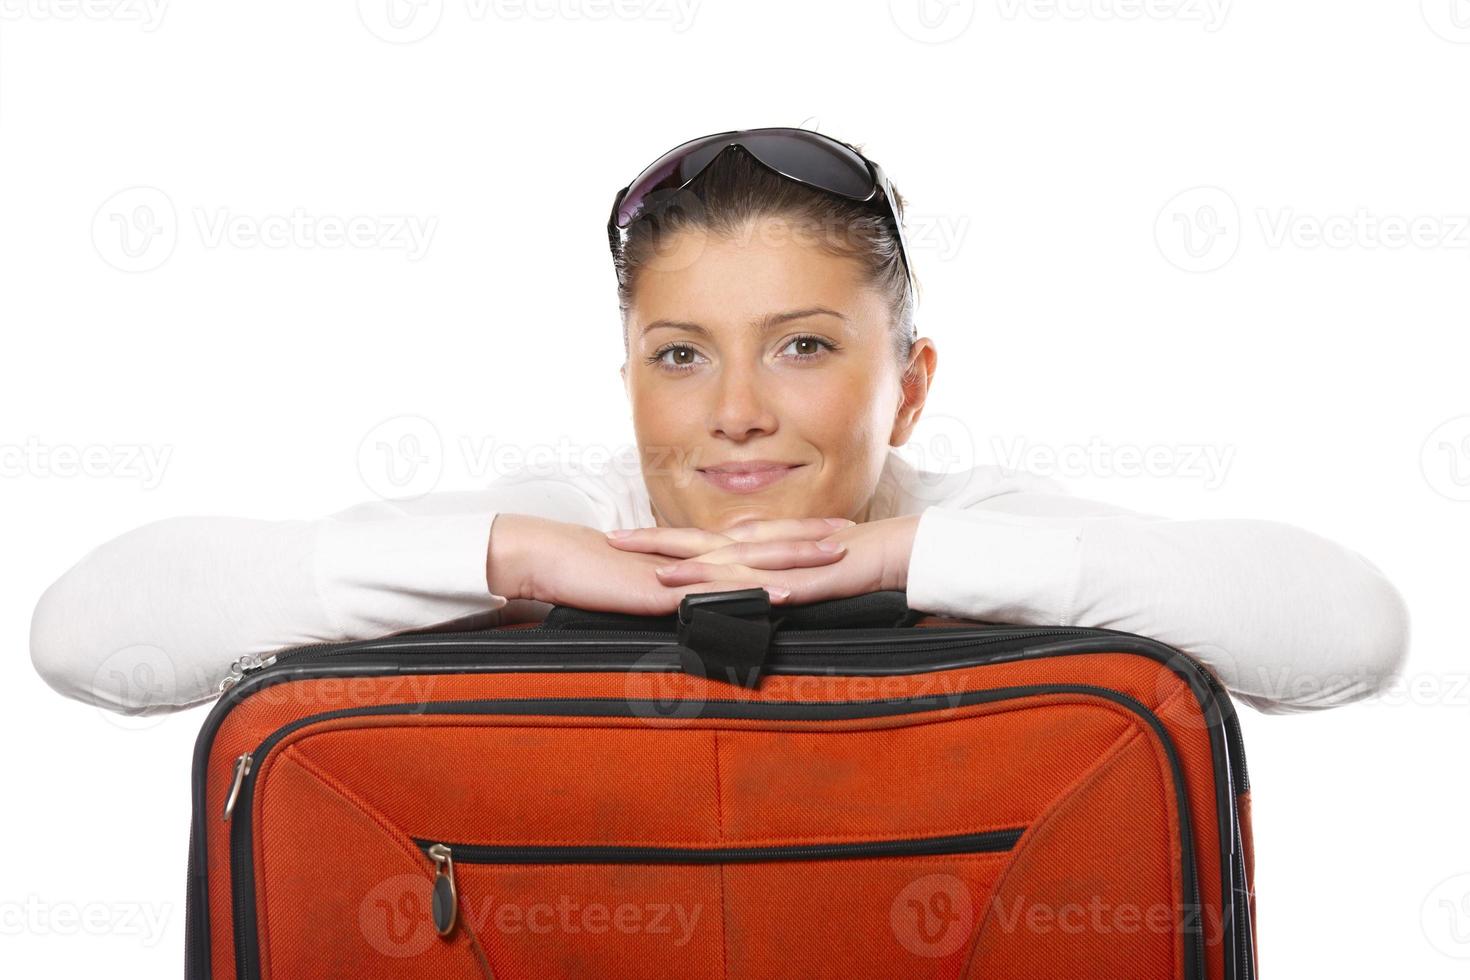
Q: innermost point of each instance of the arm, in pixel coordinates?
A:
(1290, 621)
(151, 620)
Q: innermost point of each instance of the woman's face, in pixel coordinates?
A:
(762, 349)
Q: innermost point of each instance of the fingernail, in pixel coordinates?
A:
(619, 533)
(830, 545)
(779, 593)
(840, 522)
(664, 569)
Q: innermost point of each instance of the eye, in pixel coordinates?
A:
(657, 357)
(812, 347)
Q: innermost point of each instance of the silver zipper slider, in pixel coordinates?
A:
(446, 897)
(244, 665)
(242, 769)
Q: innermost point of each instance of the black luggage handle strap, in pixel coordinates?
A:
(869, 610)
(724, 636)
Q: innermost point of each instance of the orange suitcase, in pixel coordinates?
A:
(845, 789)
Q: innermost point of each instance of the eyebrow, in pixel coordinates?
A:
(761, 323)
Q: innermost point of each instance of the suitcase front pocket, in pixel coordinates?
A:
(840, 909)
(856, 838)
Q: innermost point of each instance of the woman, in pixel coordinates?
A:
(772, 365)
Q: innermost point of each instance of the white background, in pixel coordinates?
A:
(1208, 227)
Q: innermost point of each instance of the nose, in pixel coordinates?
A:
(741, 408)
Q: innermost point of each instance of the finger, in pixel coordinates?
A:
(676, 542)
(689, 572)
(789, 528)
(835, 581)
(777, 554)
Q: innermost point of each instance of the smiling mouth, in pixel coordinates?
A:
(748, 478)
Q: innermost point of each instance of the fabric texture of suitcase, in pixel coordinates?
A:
(844, 789)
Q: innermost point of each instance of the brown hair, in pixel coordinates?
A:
(734, 190)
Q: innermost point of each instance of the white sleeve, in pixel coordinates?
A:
(152, 620)
(1288, 620)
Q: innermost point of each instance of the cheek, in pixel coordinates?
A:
(842, 410)
(658, 412)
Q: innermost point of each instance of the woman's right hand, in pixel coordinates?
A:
(571, 564)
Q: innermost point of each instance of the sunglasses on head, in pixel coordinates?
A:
(801, 155)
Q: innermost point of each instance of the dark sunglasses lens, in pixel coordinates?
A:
(796, 153)
(670, 170)
(812, 159)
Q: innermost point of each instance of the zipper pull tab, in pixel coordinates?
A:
(446, 897)
(242, 769)
(247, 664)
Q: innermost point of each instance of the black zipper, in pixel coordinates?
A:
(980, 843)
(873, 642)
(247, 952)
(447, 855)
(1239, 924)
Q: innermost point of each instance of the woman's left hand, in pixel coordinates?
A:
(875, 556)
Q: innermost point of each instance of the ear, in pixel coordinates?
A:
(914, 389)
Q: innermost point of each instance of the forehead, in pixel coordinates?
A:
(733, 280)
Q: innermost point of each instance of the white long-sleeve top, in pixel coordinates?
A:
(152, 620)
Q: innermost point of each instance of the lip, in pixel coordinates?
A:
(748, 477)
